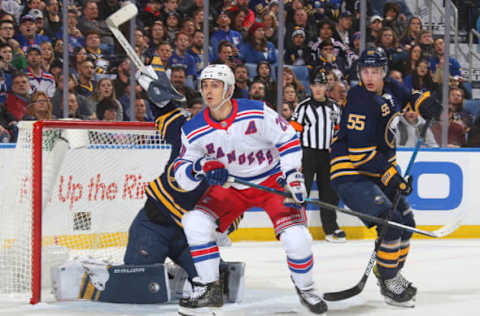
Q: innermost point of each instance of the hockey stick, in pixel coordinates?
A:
(358, 288)
(441, 232)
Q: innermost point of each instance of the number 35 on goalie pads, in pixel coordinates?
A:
(135, 284)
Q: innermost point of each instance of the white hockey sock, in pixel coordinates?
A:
(207, 260)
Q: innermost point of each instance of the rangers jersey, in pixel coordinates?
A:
(253, 143)
(364, 146)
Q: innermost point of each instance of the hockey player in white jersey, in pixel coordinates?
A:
(244, 139)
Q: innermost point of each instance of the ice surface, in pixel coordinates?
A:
(446, 272)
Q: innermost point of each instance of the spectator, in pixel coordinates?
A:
(287, 111)
(325, 33)
(75, 37)
(250, 18)
(8, 126)
(343, 29)
(105, 91)
(257, 48)
(225, 32)
(332, 77)
(107, 110)
(57, 99)
(299, 54)
(238, 18)
(180, 55)
(172, 25)
(290, 95)
(241, 82)
(327, 59)
(394, 18)
(7, 31)
(6, 69)
(388, 40)
(270, 22)
(352, 57)
(177, 77)
(198, 17)
(301, 20)
(409, 127)
(289, 78)
(421, 79)
(140, 109)
(107, 7)
(454, 65)
(425, 40)
(39, 21)
(78, 57)
(151, 13)
(410, 63)
(397, 75)
(458, 82)
(338, 93)
(74, 109)
(188, 27)
(47, 55)
(196, 50)
(264, 74)
(158, 35)
(19, 97)
(170, 7)
(411, 33)
(164, 52)
(257, 91)
(28, 35)
(456, 136)
(39, 80)
(94, 52)
(192, 8)
(86, 83)
(455, 104)
(225, 54)
(473, 136)
(376, 24)
(90, 22)
(195, 106)
(40, 107)
(52, 21)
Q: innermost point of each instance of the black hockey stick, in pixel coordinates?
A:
(374, 219)
(358, 288)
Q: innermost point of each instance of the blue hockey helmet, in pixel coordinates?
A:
(373, 57)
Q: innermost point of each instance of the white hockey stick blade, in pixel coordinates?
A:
(122, 15)
(450, 227)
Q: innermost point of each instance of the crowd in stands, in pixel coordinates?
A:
(319, 34)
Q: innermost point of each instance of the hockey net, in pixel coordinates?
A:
(72, 190)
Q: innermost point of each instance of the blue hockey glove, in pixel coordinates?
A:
(294, 183)
(391, 178)
(157, 86)
(212, 170)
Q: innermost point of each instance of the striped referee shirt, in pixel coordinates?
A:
(316, 122)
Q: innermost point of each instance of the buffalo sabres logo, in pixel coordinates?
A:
(391, 130)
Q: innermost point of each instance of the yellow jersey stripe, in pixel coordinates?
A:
(164, 200)
(370, 157)
(362, 149)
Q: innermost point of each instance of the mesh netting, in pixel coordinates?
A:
(93, 186)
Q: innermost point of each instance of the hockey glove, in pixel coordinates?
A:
(294, 183)
(429, 108)
(157, 85)
(211, 170)
(392, 179)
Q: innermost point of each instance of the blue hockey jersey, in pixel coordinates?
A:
(364, 146)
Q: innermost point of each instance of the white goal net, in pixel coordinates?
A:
(75, 195)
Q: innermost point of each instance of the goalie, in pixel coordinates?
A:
(156, 232)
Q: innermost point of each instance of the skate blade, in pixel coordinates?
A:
(407, 304)
(204, 311)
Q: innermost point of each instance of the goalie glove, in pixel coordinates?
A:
(212, 170)
(157, 85)
(392, 179)
(294, 183)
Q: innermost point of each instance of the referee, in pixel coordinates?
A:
(315, 119)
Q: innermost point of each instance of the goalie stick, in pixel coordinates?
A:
(445, 230)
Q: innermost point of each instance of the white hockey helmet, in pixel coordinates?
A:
(220, 72)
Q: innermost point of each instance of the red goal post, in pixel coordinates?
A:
(76, 169)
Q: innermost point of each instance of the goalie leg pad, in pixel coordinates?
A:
(131, 284)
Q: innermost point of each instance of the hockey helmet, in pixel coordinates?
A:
(373, 57)
(220, 72)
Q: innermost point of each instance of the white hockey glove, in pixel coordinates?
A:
(157, 85)
(294, 183)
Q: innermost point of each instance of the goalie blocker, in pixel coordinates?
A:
(135, 284)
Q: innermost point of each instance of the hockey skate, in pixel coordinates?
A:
(206, 299)
(338, 236)
(397, 290)
(314, 302)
